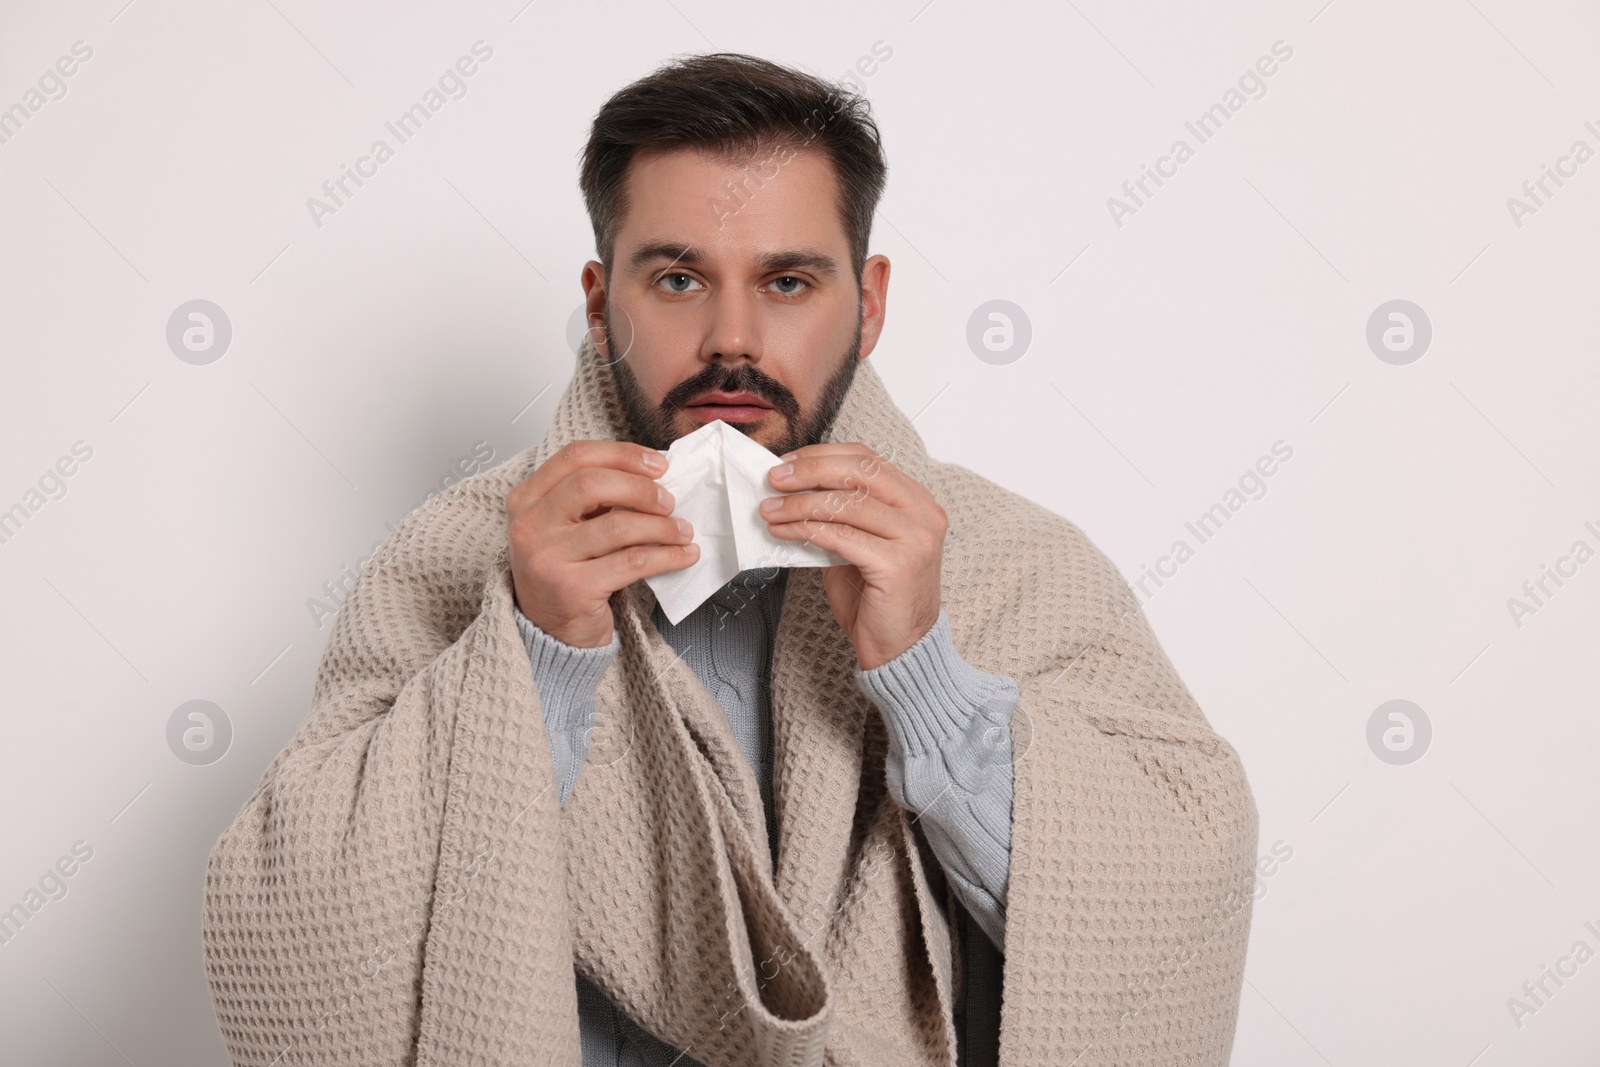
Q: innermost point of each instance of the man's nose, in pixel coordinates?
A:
(734, 333)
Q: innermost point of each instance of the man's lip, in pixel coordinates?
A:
(744, 402)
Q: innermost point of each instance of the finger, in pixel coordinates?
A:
(853, 508)
(866, 550)
(588, 489)
(618, 529)
(833, 448)
(849, 471)
(628, 565)
(618, 455)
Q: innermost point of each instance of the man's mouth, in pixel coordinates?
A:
(729, 407)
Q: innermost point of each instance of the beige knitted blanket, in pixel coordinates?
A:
(402, 886)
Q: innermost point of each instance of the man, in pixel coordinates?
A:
(946, 803)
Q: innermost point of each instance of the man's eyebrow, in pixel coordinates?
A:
(792, 259)
(801, 259)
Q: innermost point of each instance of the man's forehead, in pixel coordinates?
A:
(773, 210)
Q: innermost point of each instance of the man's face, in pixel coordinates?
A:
(734, 280)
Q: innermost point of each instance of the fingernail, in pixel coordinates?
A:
(655, 461)
(769, 505)
(664, 497)
(787, 455)
(783, 471)
(684, 528)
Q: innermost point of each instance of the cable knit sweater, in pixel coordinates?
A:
(949, 724)
(403, 887)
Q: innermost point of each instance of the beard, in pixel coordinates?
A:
(655, 425)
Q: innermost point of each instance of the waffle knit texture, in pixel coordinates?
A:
(927, 689)
(403, 887)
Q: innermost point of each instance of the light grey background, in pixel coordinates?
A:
(427, 318)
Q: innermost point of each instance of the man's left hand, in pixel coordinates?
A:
(884, 522)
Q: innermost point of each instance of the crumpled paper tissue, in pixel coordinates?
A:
(718, 478)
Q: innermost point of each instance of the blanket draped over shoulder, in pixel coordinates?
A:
(402, 886)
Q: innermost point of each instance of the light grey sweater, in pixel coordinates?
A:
(949, 763)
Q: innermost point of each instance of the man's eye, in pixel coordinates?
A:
(678, 274)
(789, 278)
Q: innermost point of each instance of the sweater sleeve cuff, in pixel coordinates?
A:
(565, 675)
(929, 694)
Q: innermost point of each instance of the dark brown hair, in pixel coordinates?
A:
(733, 106)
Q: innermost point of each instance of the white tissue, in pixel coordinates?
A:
(718, 479)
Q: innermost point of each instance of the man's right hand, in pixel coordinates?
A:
(591, 520)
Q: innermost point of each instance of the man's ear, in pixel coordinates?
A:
(593, 280)
(874, 301)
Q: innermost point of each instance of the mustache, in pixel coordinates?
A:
(744, 380)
